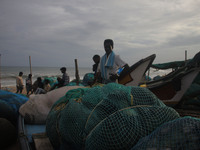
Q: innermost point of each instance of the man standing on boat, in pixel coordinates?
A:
(109, 63)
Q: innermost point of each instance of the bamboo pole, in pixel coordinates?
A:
(76, 72)
(185, 55)
(0, 71)
(30, 64)
(30, 67)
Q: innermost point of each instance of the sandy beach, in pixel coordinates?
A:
(13, 89)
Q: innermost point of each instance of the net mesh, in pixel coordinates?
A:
(123, 129)
(182, 133)
(12, 99)
(109, 117)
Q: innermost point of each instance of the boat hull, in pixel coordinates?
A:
(171, 88)
(135, 73)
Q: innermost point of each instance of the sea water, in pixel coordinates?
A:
(8, 74)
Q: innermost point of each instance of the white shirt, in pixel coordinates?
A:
(117, 64)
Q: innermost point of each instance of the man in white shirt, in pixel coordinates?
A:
(109, 63)
(19, 83)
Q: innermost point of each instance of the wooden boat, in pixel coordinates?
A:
(171, 88)
(32, 136)
(133, 75)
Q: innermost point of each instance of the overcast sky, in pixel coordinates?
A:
(55, 32)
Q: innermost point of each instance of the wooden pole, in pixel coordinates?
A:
(30, 64)
(76, 72)
(0, 71)
(30, 67)
(185, 57)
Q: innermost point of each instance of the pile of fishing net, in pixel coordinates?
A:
(52, 80)
(12, 99)
(10, 104)
(179, 134)
(88, 79)
(109, 117)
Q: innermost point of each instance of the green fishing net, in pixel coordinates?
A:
(179, 134)
(109, 117)
(124, 128)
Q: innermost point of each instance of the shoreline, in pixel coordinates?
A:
(13, 89)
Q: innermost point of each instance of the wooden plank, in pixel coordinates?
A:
(41, 141)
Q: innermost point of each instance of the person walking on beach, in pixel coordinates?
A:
(19, 83)
(109, 63)
(65, 76)
(29, 84)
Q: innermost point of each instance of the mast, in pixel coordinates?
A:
(76, 72)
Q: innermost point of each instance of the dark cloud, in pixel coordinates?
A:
(54, 33)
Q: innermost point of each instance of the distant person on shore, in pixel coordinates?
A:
(29, 84)
(38, 85)
(109, 63)
(65, 76)
(96, 59)
(19, 83)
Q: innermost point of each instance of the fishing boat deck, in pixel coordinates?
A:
(186, 112)
(41, 142)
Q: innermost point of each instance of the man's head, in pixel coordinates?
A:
(96, 58)
(39, 79)
(108, 46)
(20, 73)
(63, 69)
(30, 75)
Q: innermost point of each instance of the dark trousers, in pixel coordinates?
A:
(19, 89)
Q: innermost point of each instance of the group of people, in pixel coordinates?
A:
(105, 67)
(105, 71)
(39, 86)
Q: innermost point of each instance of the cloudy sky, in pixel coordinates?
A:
(55, 32)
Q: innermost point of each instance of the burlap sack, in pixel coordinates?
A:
(36, 109)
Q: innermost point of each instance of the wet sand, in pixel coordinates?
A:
(13, 89)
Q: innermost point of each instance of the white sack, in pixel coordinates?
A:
(36, 109)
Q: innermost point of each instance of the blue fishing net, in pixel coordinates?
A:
(88, 79)
(10, 104)
(12, 99)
